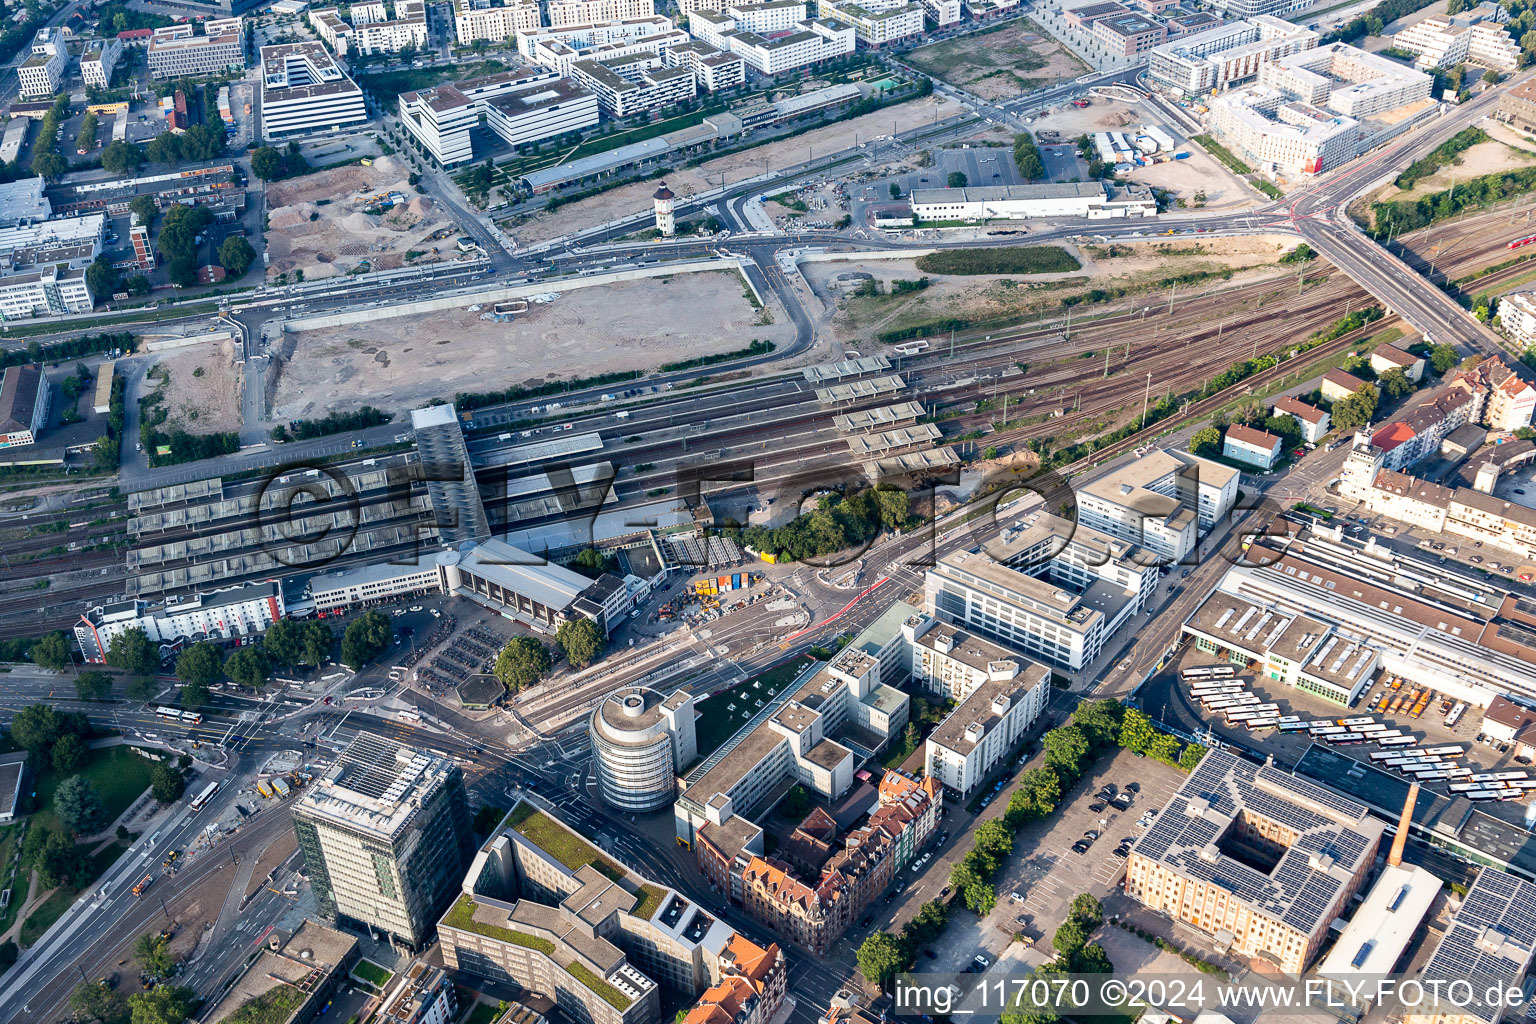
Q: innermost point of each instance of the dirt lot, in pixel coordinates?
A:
(203, 393)
(636, 325)
(1181, 177)
(1000, 64)
(1131, 266)
(621, 202)
(1490, 157)
(316, 223)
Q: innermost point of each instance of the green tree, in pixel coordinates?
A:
(1206, 441)
(1092, 959)
(1395, 384)
(165, 782)
(93, 685)
(1070, 938)
(144, 209)
(316, 640)
(85, 138)
(995, 838)
(132, 651)
(957, 179)
(1035, 797)
(1165, 748)
(581, 641)
(366, 636)
(52, 651)
(236, 255)
(964, 875)
(141, 688)
(36, 727)
(166, 1004)
(590, 562)
(929, 922)
(980, 898)
(120, 157)
(164, 148)
(1285, 427)
(1087, 908)
(1099, 721)
(895, 191)
(93, 1001)
(78, 805)
(48, 165)
(1355, 410)
(880, 956)
(1189, 760)
(247, 666)
(200, 665)
(57, 860)
(266, 163)
(136, 285)
(154, 955)
(1136, 730)
(521, 663)
(69, 753)
(1442, 357)
(1066, 749)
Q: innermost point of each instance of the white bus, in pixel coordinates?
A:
(1233, 702)
(1344, 738)
(1209, 672)
(1210, 691)
(1255, 724)
(1455, 715)
(1292, 726)
(1447, 751)
(201, 800)
(1395, 741)
(1350, 723)
(1328, 733)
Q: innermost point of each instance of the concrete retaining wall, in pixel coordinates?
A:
(165, 344)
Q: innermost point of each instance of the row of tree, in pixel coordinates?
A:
(524, 660)
(835, 524)
(287, 643)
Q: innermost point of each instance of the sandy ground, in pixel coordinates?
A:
(278, 851)
(999, 65)
(206, 402)
(1490, 157)
(621, 202)
(316, 223)
(636, 325)
(989, 297)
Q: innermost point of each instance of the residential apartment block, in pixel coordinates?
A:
(1309, 111)
(876, 23)
(999, 694)
(1501, 398)
(40, 74)
(712, 68)
(942, 13)
(774, 37)
(474, 20)
(1217, 58)
(1442, 42)
(192, 56)
(1255, 447)
(1262, 860)
(634, 84)
(304, 90)
(590, 12)
(561, 48)
(386, 838)
(98, 62)
(813, 913)
(543, 909)
(1313, 422)
(219, 615)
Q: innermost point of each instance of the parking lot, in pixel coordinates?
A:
(1166, 699)
(1043, 870)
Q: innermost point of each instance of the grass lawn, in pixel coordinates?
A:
(43, 917)
(372, 972)
(724, 713)
(388, 85)
(119, 775)
(482, 1013)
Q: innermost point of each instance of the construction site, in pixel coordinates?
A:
(349, 218)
